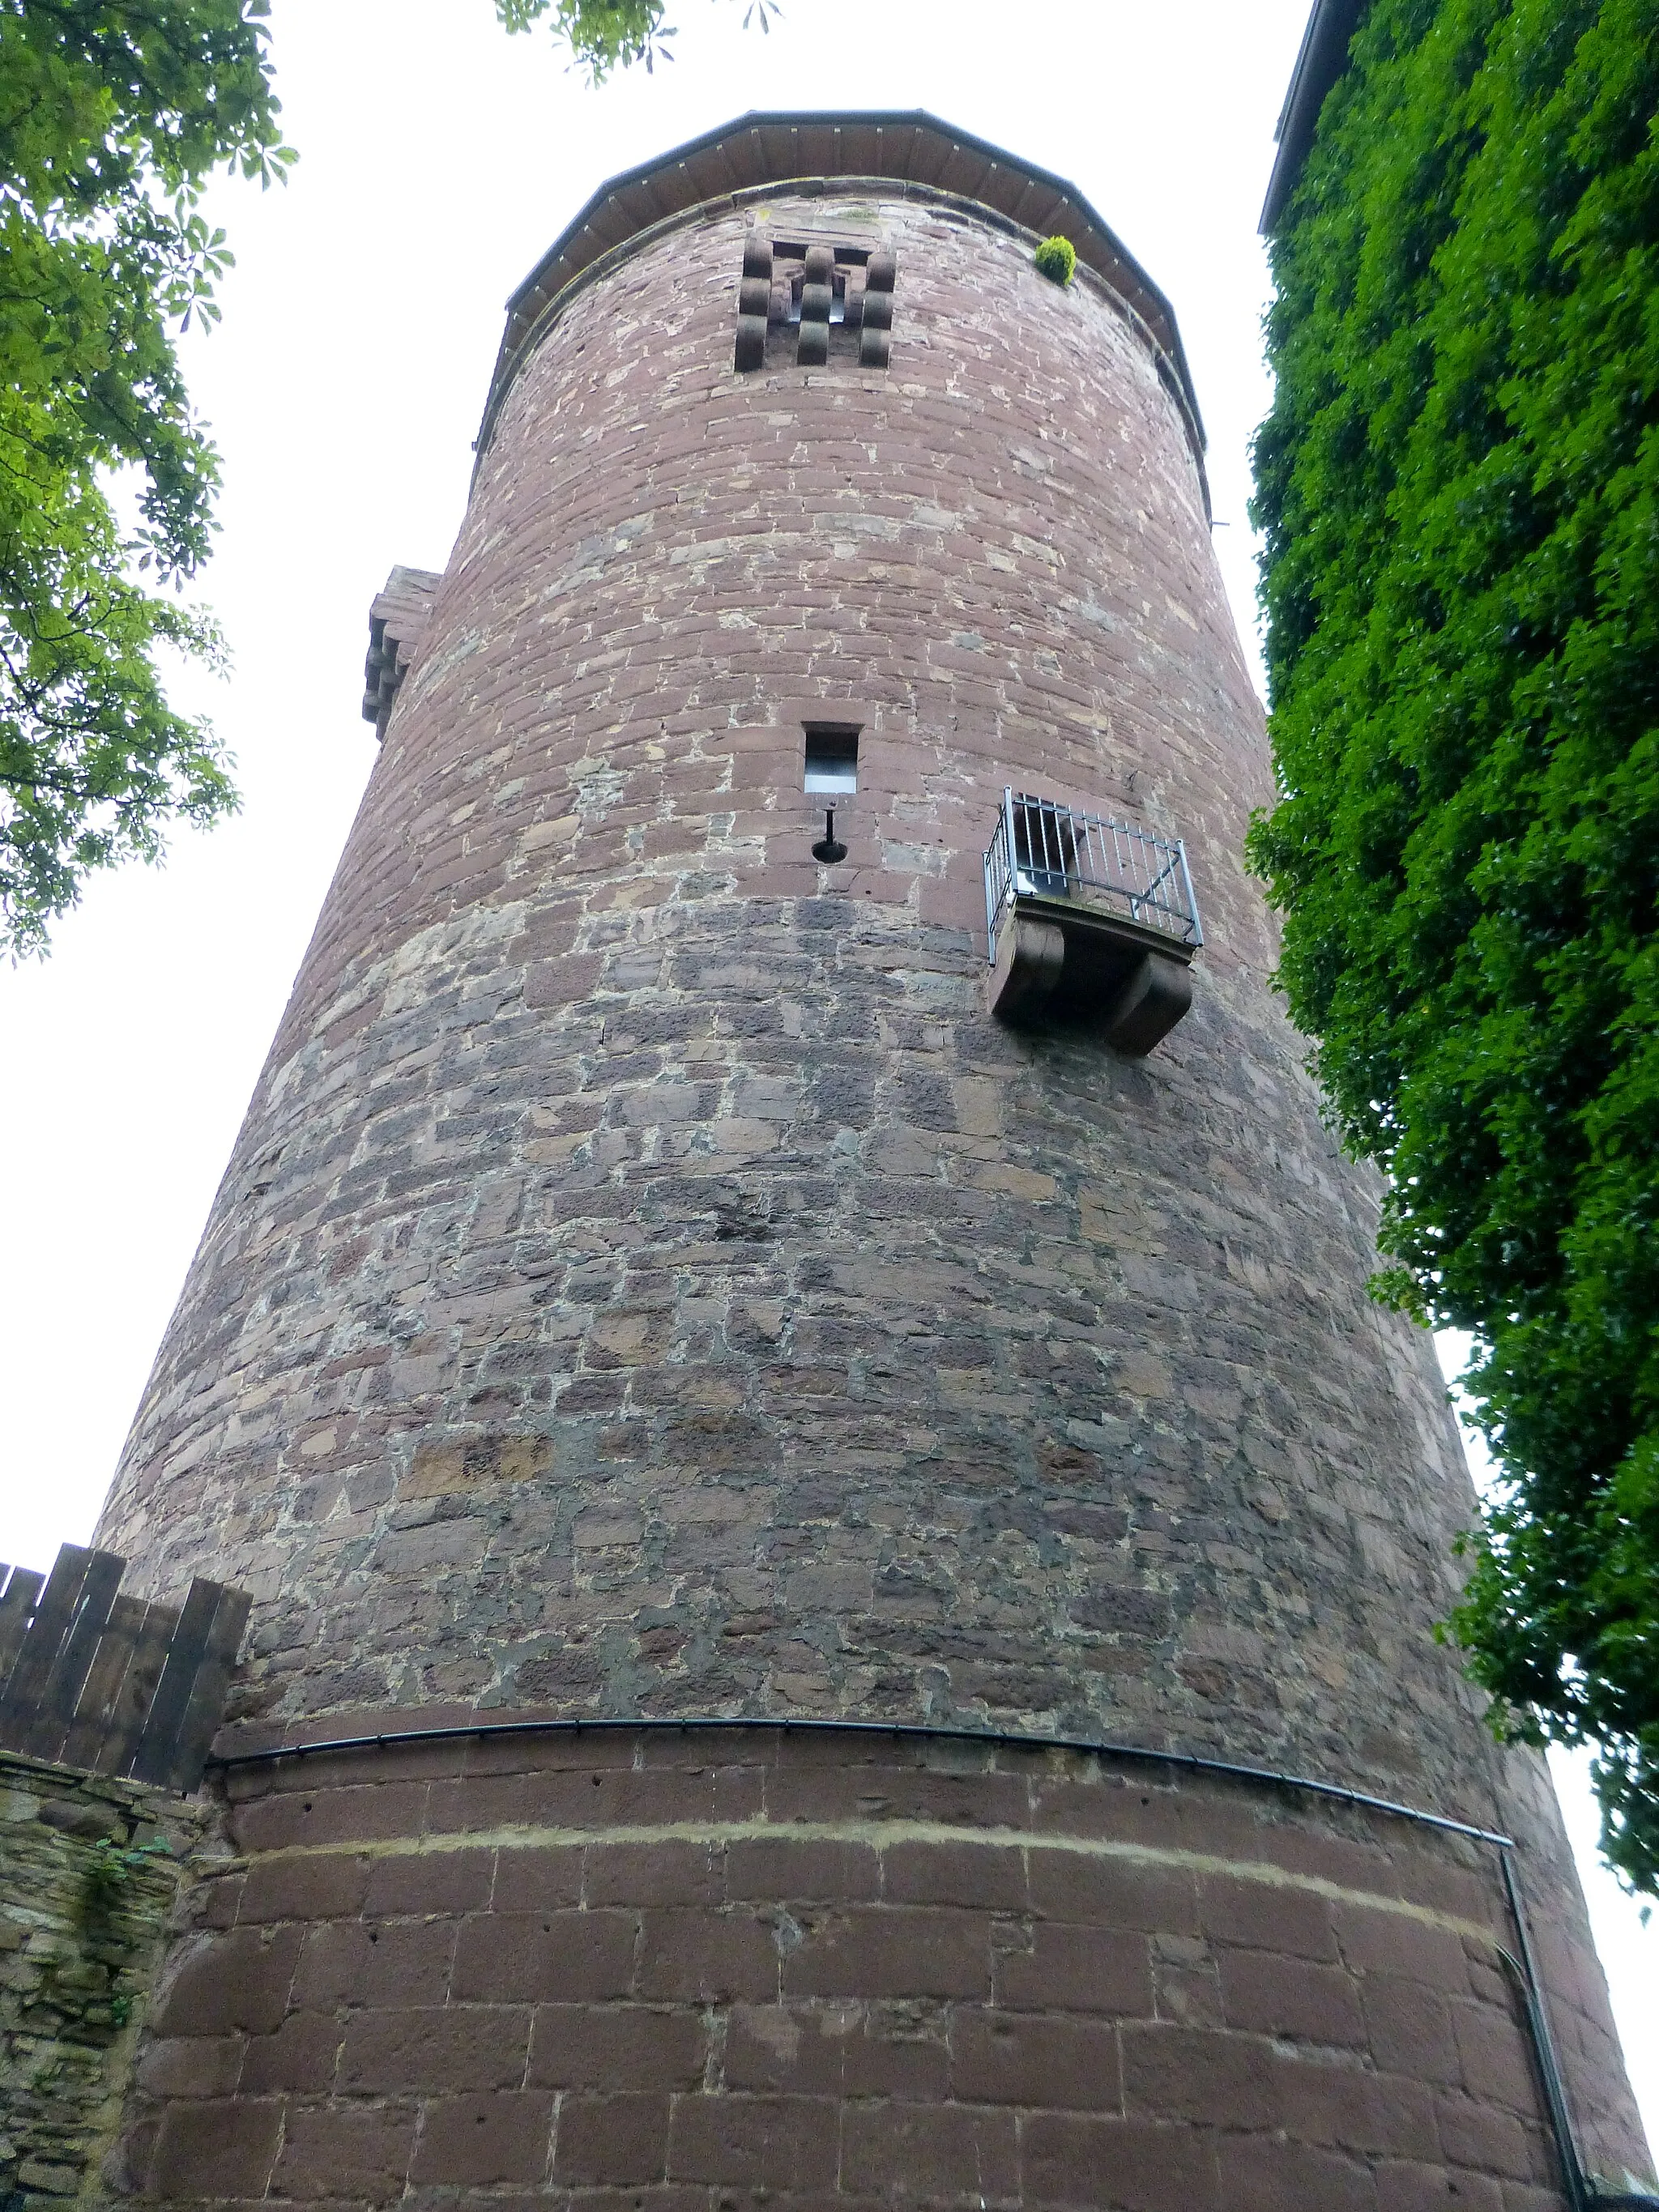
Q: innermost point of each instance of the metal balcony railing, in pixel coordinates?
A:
(1044, 852)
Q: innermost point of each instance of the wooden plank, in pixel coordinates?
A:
(152, 1759)
(114, 1684)
(98, 1716)
(152, 1641)
(15, 1607)
(62, 1691)
(54, 1617)
(212, 1686)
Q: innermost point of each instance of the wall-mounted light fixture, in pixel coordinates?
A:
(829, 847)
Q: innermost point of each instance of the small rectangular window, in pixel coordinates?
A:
(832, 757)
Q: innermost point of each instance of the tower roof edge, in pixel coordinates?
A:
(1321, 60)
(906, 147)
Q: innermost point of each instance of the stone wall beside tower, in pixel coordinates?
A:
(650, 1286)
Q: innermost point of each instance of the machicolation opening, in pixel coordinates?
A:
(814, 300)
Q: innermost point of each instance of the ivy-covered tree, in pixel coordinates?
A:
(113, 113)
(1459, 490)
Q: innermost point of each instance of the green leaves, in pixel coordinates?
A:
(602, 35)
(113, 114)
(608, 35)
(1056, 259)
(1459, 489)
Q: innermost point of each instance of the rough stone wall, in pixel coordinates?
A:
(647, 1276)
(647, 1280)
(88, 1870)
(748, 1969)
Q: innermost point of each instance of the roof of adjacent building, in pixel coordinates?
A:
(911, 149)
(1321, 59)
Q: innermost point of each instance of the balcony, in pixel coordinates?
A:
(1089, 920)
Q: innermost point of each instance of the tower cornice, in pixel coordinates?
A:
(814, 150)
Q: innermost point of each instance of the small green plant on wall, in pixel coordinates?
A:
(1056, 259)
(109, 1872)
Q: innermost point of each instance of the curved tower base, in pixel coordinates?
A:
(808, 1966)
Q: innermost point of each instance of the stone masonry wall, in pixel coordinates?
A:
(749, 1970)
(88, 1871)
(648, 1280)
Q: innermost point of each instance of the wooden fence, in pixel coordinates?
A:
(112, 1684)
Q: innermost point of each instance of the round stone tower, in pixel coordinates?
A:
(797, 1395)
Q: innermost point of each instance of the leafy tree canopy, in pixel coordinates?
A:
(608, 35)
(112, 114)
(1459, 486)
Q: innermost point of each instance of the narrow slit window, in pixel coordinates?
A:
(832, 757)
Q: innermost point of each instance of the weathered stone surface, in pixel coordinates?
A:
(649, 1281)
(88, 1870)
(852, 1960)
(648, 1278)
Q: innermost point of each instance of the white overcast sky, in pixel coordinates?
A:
(438, 159)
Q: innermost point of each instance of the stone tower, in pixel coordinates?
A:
(739, 1356)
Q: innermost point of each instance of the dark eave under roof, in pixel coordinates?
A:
(757, 152)
(1322, 58)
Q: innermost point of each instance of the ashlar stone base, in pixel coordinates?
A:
(747, 1965)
